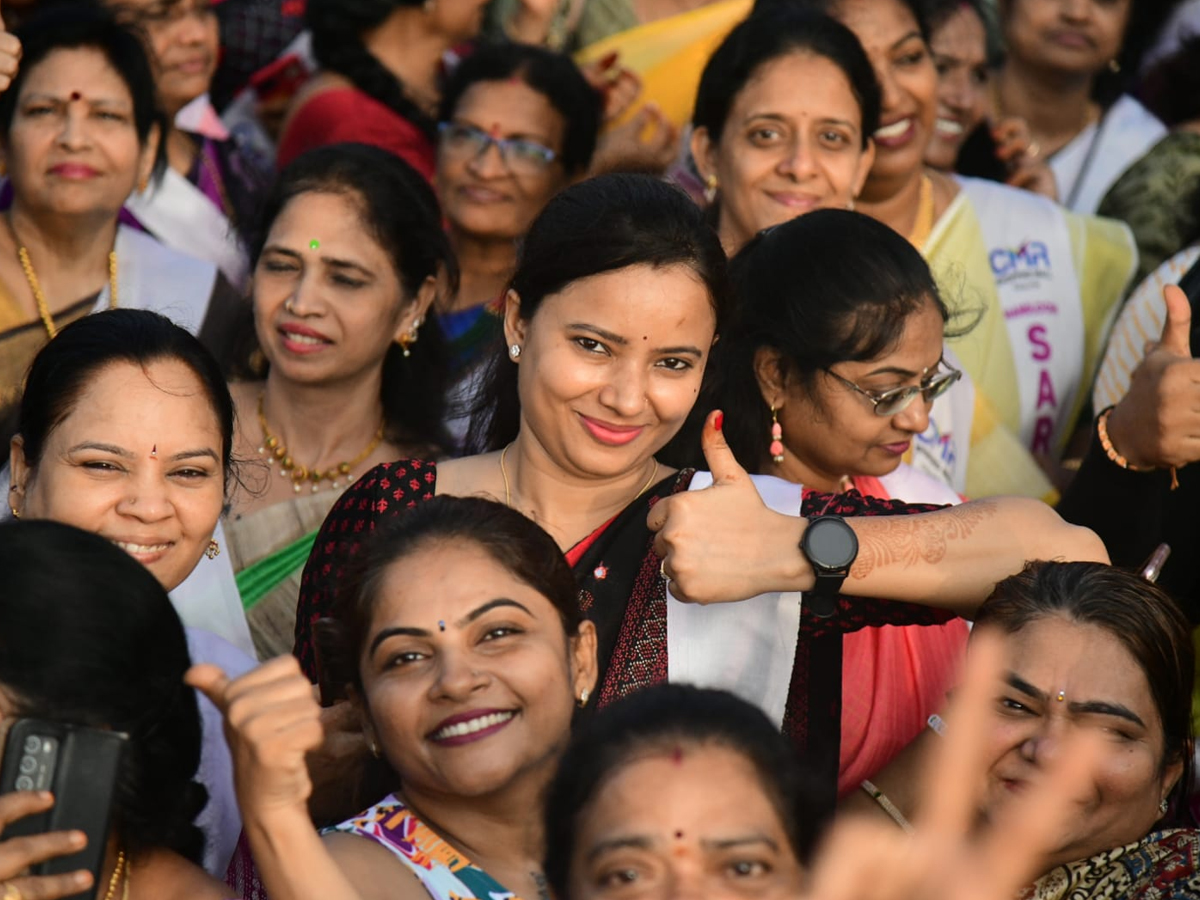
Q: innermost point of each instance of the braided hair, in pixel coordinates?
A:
(337, 27)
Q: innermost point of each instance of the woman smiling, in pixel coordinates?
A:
(609, 321)
(462, 645)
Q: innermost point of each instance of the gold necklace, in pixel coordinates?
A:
(508, 493)
(39, 297)
(923, 224)
(300, 474)
(118, 871)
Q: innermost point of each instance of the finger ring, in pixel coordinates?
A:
(1033, 150)
(11, 892)
(662, 573)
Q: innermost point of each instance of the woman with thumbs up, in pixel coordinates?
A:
(617, 301)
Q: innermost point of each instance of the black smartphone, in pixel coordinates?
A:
(79, 766)
(977, 156)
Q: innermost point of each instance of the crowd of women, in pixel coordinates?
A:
(732, 460)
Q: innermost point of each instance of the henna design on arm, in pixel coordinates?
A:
(885, 541)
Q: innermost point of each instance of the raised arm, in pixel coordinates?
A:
(723, 544)
(272, 720)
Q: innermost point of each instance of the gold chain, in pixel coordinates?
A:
(39, 297)
(273, 448)
(924, 221)
(508, 493)
(118, 871)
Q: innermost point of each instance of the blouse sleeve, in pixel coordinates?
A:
(853, 613)
(378, 497)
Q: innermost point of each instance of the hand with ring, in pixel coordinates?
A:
(18, 854)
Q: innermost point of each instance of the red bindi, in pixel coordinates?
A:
(677, 756)
(679, 835)
(75, 95)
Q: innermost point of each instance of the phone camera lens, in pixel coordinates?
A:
(33, 744)
(28, 765)
(24, 783)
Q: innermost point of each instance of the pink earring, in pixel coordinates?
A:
(776, 448)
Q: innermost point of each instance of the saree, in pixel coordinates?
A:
(623, 594)
(268, 550)
(1088, 166)
(195, 213)
(1164, 865)
(670, 54)
(1042, 285)
(893, 678)
(149, 276)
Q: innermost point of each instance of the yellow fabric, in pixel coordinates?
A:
(1104, 256)
(669, 54)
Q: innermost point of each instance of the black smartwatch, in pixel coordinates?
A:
(830, 546)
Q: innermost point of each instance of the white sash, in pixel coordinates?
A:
(914, 486)
(1029, 249)
(748, 647)
(181, 216)
(943, 449)
(155, 277)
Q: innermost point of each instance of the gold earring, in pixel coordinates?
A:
(409, 338)
(776, 448)
(374, 748)
(583, 698)
(15, 512)
(710, 187)
(213, 550)
(1114, 66)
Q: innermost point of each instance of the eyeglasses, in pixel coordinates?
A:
(521, 156)
(895, 401)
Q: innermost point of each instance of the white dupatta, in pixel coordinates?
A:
(747, 647)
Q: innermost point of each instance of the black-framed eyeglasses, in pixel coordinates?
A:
(895, 401)
(521, 155)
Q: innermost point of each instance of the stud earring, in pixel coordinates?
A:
(213, 550)
(776, 448)
(1163, 807)
(515, 351)
(374, 748)
(15, 512)
(1114, 66)
(583, 698)
(710, 188)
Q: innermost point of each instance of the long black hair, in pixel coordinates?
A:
(400, 211)
(600, 225)
(337, 28)
(88, 636)
(663, 718)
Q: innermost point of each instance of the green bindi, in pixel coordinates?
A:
(314, 244)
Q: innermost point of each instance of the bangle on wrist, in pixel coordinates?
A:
(1112, 453)
(888, 806)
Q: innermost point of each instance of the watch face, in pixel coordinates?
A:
(831, 543)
